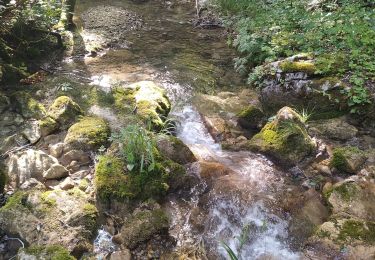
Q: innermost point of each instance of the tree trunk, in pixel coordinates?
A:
(67, 11)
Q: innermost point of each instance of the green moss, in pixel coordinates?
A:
(287, 142)
(17, 200)
(83, 184)
(90, 217)
(250, 117)
(353, 229)
(346, 191)
(88, 133)
(76, 192)
(48, 125)
(298, 66)
(64, 110)
(52, 252)
(111, 180)
(340, 157)
(48, 199)
(27, 105)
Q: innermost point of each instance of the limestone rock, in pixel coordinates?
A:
(284, 139)
(33, 164)
(121, 255)
(32, 132)
(27, 106)
(56, 171)
(56, 150)
(251, 118)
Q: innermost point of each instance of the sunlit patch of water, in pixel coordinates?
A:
(103, 244)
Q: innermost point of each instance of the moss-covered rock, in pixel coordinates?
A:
(174, 149)
(298, 82)
(67, 219)
(335, 129)
(88, 134)
(142, 225)
(352, 198)
(146, 99)
(305, 66)
(51, 252)
(356, 236)
(251, 118)
(48, 125)
(27, 106)
(348, 159)
(114, 182)
(284, 139)
(64, 110)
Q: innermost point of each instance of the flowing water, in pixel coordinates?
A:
(164, 47)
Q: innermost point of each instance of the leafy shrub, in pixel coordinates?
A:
(136, 147)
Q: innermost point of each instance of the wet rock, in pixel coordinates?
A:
(352, 198)
(90, 133)
(33, 164)
(121, 255)
(292, 82)
(174, 149)
(209, 171)
(335, 129)
(45, 218)
(64, 111)
(284, 139)
(145, 222)
(148, 100)
(348, 159)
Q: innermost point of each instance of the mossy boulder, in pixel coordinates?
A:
(146, 99)
(114, 182)
(64, 111)
(251, 118)
(66, 219)
(354, 235)
(298, 82)
(50, 252)
(348, 159)
(284, 139)
(352, 198)
(89, 133)
(48, 125)
(173, 148)
(27, 106)
(145, 222)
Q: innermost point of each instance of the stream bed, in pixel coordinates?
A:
(156, 40)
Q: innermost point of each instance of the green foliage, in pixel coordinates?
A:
(137, 148)
(340, 34)
(53, 252)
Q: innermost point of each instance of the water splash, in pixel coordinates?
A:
(103, 244)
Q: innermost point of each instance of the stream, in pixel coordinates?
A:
(161, 44)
